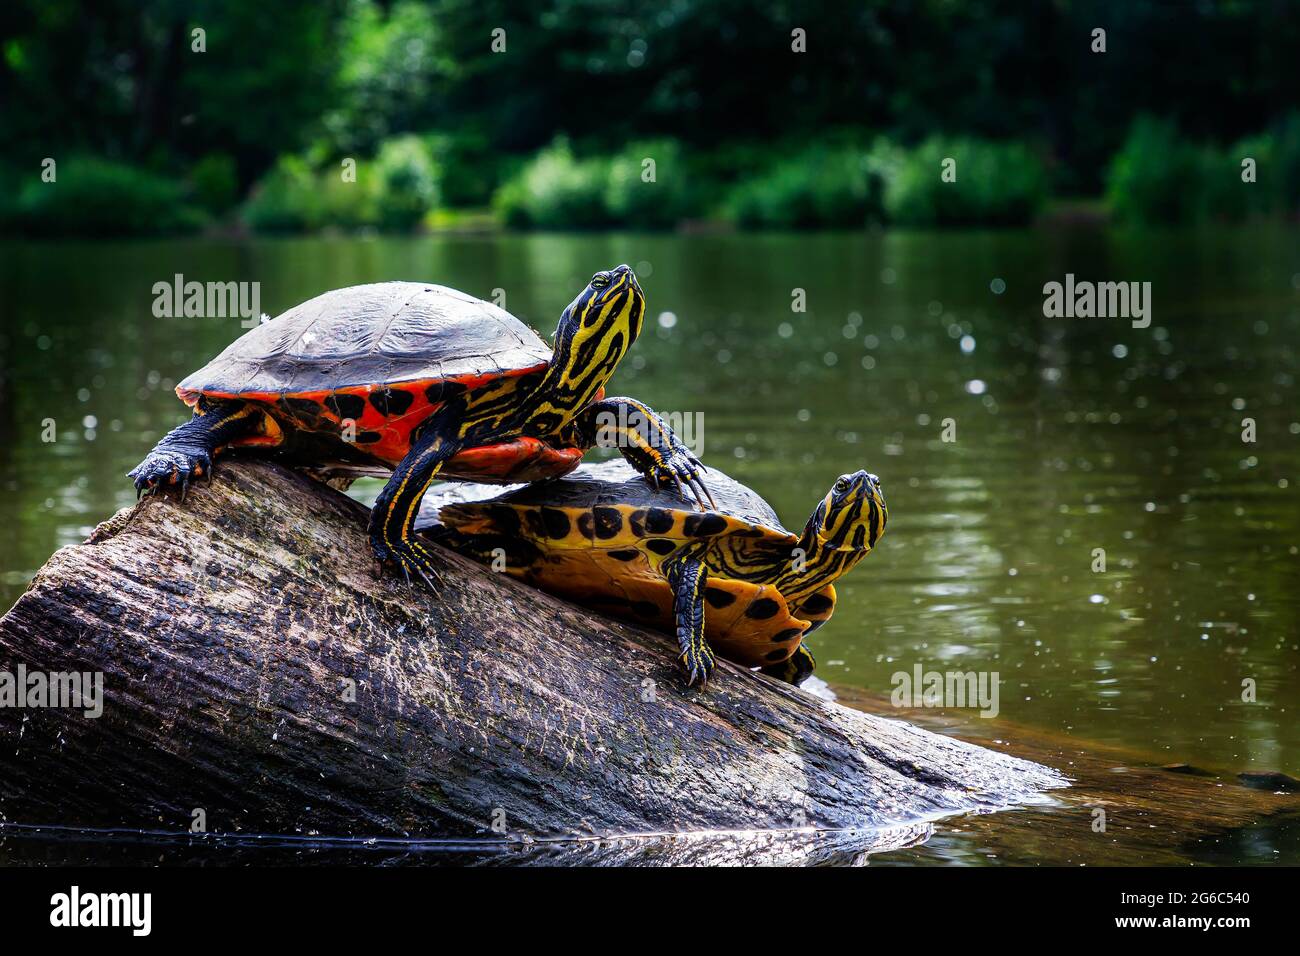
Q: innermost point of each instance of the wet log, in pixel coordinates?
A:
(261, 675)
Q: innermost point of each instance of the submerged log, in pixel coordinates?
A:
(261, 675)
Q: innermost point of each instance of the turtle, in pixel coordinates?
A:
(418, 381)
(729, 580)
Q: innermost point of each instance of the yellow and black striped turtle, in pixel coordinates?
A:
(421, 381)
(729, 580)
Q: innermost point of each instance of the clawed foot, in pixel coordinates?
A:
(680, 468)
(412, 558)
(697, 661)
(170, 466)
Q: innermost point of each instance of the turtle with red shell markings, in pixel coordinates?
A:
(423, 382)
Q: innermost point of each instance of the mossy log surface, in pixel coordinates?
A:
(259, 667)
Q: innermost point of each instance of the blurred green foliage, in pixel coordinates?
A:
(95, 197)
(738, 123)
(1162, 176)
(819, 187)
(405, 183)
(645, 186)
(991, 183)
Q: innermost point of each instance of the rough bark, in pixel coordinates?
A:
(230, 628)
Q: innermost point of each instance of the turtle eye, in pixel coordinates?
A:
(599, 280)
(841, 486)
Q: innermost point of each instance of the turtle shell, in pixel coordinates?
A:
(374, 361)
(378, 334)
(600, 537)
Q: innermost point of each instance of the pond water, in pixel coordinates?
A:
(1071, 436)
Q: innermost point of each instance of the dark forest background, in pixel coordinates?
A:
(151, 136)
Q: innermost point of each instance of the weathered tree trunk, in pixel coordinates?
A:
(232, 629)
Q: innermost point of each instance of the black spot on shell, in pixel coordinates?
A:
(586, 525)
(705, 525)
(506, 519)
(442, 391)
(304, 408)
(556, 521)
(762, 609)
(777, 655)
(817, 604)
(367, 438)
(346, 406)
(636, 521)
(789, 634)
(718, 597)
(661, 545)
(659, 521)
(391, 401)
(625, 554)
(536, 527)
(608, 522)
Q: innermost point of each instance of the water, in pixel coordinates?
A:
(1071, 435)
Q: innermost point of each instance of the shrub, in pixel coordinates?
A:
(819, 187)
(286, 199)
(97, 197)
(1286, 157)
(406, 183)
(997, 183)
(215, 183)
(1160, 177)
(1156, 176)
(395, 191)
(555, 190)
(673, 194)
(470, 169)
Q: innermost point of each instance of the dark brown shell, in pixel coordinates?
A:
(381, 333)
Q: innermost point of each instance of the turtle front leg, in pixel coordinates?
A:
(688, 577)
(392, 519)
(186, 452)
(644, 439)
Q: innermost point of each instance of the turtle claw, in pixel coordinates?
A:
(701, 492)
(684, 471)
(698, 663)
(169, 466)
(410, 556)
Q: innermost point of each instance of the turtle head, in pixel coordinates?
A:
(605, 318)
(852, 516)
